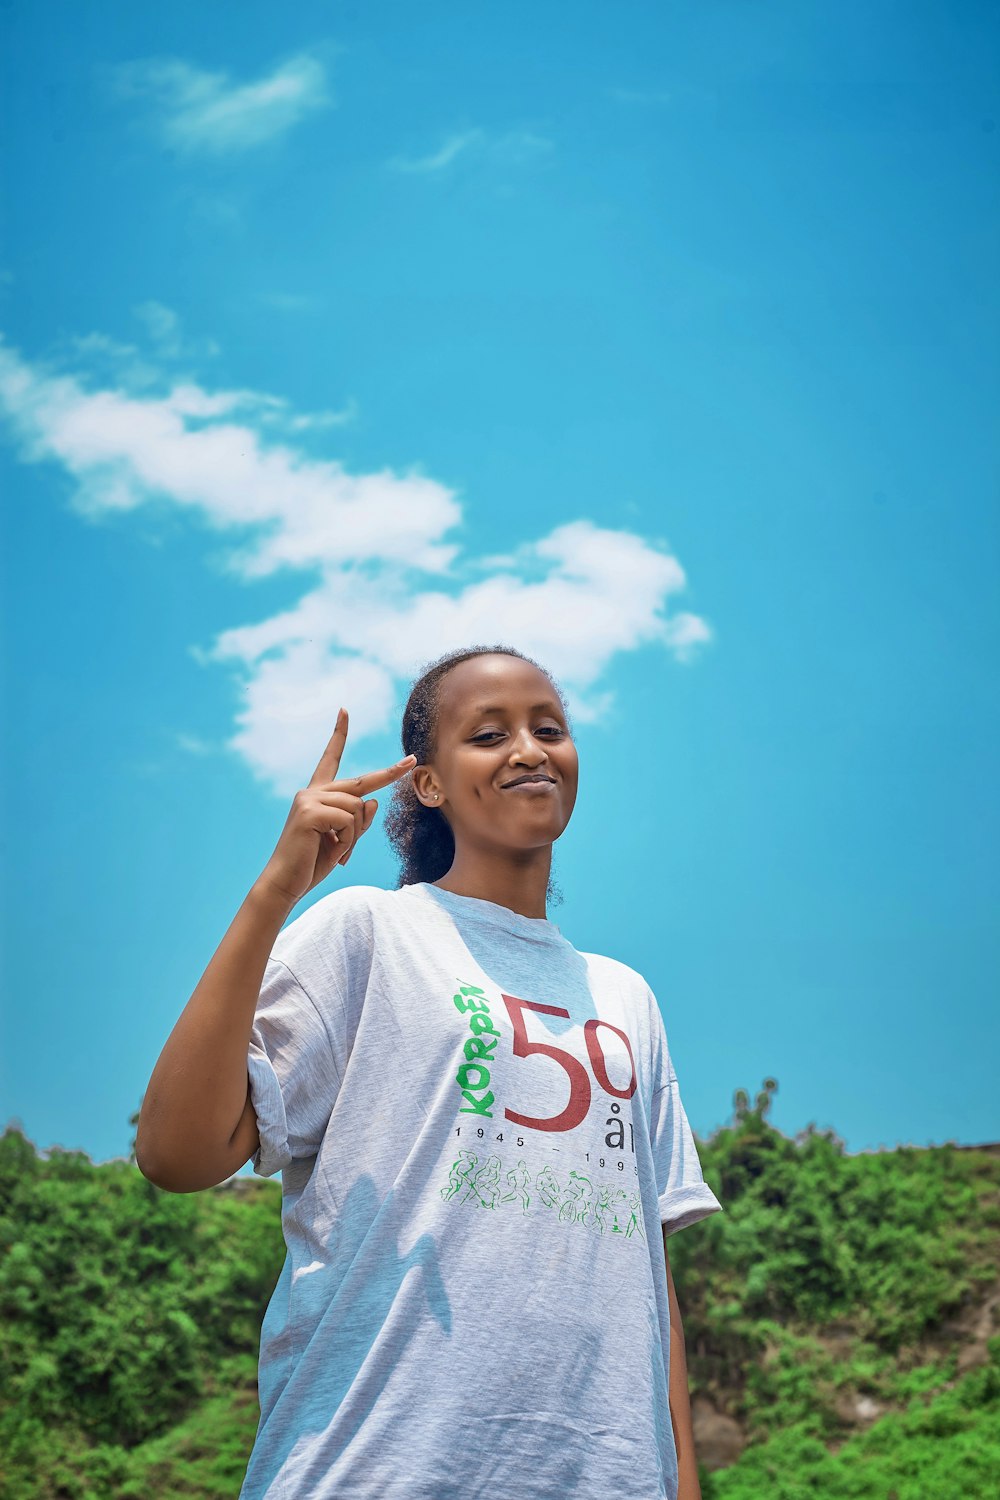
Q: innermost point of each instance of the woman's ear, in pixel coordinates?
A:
(425, 787)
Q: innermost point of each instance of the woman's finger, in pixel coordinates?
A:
(331, 818)
(373, 781)
(370, 809)
(329, 762)
(327, 797)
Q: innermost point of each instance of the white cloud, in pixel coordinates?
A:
(443, 157)
(162, 323)
(199, 111)
(356, 637)
(123, 363)
(512, 148)
(98, 345)
(684, 633)
(681, 96)
(134, 372)
(164, 329)
(125, 450)
(521, 146)
(387, 589)
(189, 400)
(194, 744)
(308, 420)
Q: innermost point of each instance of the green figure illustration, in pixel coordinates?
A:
(548, 1187)
(577, 1201)
(487, 1184)
(634, 1226)
(460, 1174)
(607, 1199)
(616, 1197)
(518, 1179)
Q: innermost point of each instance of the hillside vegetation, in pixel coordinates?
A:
(841, 1320)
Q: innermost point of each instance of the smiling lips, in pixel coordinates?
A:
(535, 780)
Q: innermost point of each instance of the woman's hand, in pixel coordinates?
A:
(326, 820)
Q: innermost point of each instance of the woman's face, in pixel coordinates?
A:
(504, 767)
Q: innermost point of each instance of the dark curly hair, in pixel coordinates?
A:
(419, 835)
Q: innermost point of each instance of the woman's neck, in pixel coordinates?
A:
(518, 881)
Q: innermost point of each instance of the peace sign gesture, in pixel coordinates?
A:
(326, 820)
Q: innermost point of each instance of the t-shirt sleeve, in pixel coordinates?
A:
(292, 1072)
(684, 1195)
(307, 1015)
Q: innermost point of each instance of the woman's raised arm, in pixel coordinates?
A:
(197, 1124)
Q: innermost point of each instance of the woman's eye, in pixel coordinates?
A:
(551, 731)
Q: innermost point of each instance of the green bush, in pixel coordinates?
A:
(118, 1306)
(130, 1320)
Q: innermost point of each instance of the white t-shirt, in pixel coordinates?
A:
(480, 1133)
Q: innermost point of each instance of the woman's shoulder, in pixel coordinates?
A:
(613, 970)
(348, 912)
(348, 899)
(630, 989)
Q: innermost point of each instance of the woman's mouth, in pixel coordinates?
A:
(531, 785)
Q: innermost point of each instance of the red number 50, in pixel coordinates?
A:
(579, 1083)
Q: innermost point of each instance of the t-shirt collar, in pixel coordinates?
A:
(474, 908)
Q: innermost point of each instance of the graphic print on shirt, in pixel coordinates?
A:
(473, 1077)
(578, 1196)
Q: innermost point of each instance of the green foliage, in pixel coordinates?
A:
(938, 1450)
(893, 1242)
(826, 1280)
(130, 1320)
(118, 1306)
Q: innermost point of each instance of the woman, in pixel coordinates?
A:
(479, 1129)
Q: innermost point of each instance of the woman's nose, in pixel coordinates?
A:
(526, 750)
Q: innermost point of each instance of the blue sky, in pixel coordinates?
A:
(661, 341)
